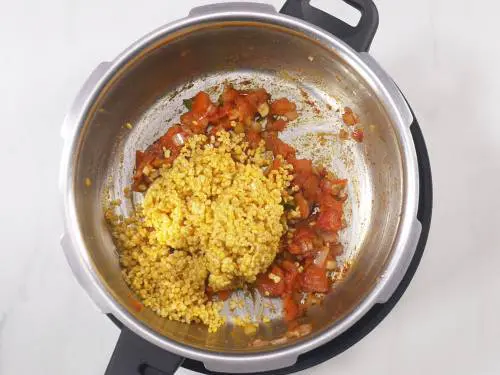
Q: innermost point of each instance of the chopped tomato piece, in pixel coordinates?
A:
(168, 140)
(224, 123)
(275, 165)
(314, 280)
(332, 187)
(289, 266)
(154, 157)
(282, 106)
(290, 308)
(196, 122)
(226, 110)
(303, 205)
(276, 126)
(229, 94)
(292, 115)
(329, 219)
(271, 283)
(302, 241)
(246, 112)
(321, 257)
(209, 292)
(201, 103)
(202, 111)
(224, 294)
(303, 166)
(328, 201)
(308, 262)
(254, 139)
(328, 237)
(311, 187)
(343, 134)
(278, 147)
(335, 249)
(291, 273)
(139, 157)
(136, 305)
(358, 135)
(349, 117)
(257, 97)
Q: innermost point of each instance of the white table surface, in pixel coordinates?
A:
(445, 56)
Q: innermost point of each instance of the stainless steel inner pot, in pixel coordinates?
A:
(250, 45)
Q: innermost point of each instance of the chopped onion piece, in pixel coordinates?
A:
(256, 126)
(320, 257)
(178, 139)
(330, 237)
(331, 265)
(263, 109)
(304, 329)
(279, 341)
(257, 343)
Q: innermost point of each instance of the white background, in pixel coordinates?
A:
(445, 56)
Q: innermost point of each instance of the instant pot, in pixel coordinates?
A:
(391, 199)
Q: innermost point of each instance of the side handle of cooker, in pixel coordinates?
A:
(81, 276)
(81, 97)
(414, 230)
(359, 37)
(135, 356)
(422, 223)
(71, 119)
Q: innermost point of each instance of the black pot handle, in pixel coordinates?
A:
(135, 356)
(359, 37)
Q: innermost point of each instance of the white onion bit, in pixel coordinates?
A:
(178, 139)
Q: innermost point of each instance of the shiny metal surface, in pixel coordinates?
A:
(145, 86)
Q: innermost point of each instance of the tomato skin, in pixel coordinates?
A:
(282, 106)
(314, 280)
(268, 287)
(290, 308)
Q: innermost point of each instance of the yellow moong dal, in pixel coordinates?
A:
(214, 218)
